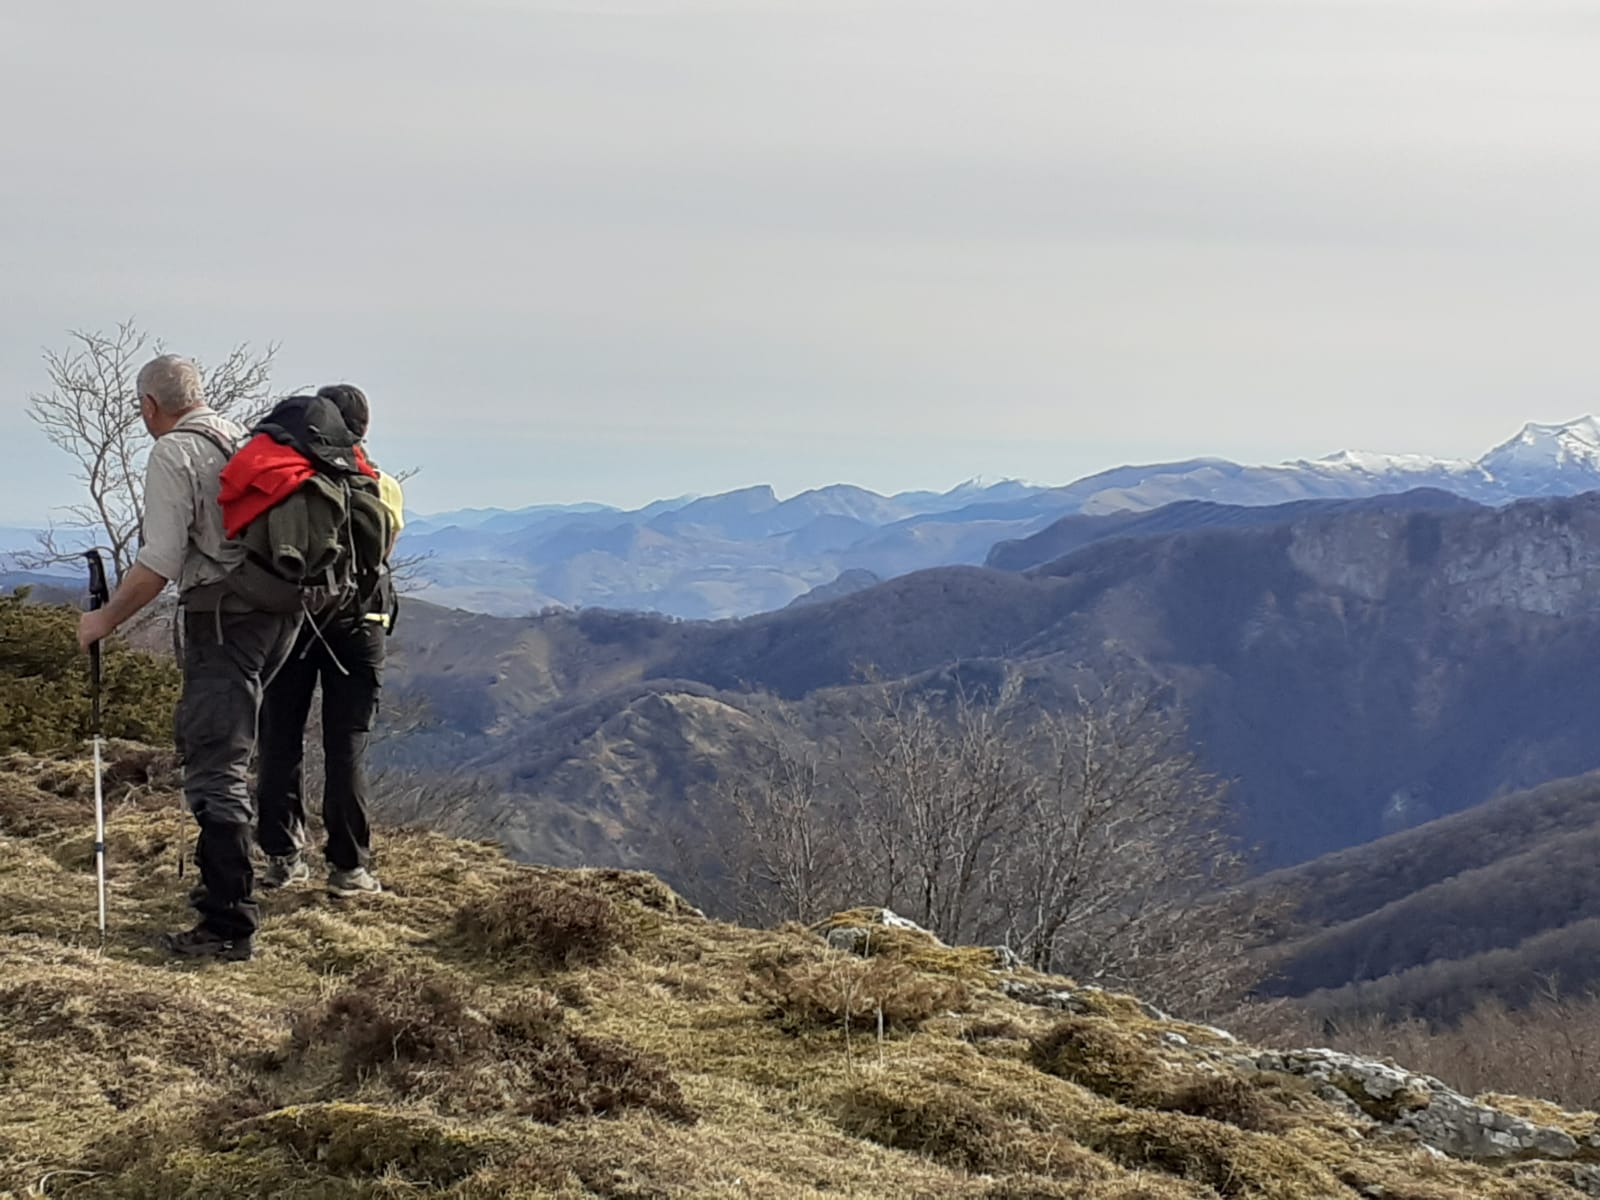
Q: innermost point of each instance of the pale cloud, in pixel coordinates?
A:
(614, 250)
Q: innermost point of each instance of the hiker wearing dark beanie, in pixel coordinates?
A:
(346, 654)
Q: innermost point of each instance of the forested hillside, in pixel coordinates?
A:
(1353, 672)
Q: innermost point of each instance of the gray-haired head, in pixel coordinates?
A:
(173, 382)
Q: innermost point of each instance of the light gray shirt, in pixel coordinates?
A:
(182, 535)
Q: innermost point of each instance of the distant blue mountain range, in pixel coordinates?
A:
(750, 551)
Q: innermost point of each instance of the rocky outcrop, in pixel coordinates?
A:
(1081, 1000)
(1378, 1096)
(1437, 1115)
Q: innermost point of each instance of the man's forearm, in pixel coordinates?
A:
(138, 587)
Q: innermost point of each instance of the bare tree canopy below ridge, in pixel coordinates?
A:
(1088, 839)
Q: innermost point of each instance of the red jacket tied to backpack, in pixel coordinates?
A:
(262, 474)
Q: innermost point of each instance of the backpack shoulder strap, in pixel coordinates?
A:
(210, 435)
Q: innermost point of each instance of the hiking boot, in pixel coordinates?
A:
(201, 942)
(284, 870)
(358, 881)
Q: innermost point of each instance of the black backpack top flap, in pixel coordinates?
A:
(314, 426)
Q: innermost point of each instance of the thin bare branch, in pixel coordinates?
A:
(91, 413)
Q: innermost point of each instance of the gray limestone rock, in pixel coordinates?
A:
(1440, 1117)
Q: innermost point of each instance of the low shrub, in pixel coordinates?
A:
(423, 1031)
(837, 990)
(544, 922)
(360, 1140)
(1100, 1055)
(1230, 1161)
(1228, 1099)
(44, 689)
(943, 1124)
(395, 1021)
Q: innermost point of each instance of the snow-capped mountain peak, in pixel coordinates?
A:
(980, 484)
(1540, 460)
(1367, 462)
(1572, 446)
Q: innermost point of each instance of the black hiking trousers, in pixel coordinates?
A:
(349, 708)
(228, 661)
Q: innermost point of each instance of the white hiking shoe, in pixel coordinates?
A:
(355, 882)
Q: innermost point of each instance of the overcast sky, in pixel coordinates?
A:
(613, 251)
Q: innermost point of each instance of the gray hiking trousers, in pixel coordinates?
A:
(228, 660)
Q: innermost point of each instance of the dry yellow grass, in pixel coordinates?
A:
(623, 1047)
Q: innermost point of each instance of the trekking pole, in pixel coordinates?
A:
(99, 595)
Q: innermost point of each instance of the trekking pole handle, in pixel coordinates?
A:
(99, 597)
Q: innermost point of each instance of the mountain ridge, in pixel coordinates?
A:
(1495, 903)
(1377, 662)
(1575, 442)
(751, 550)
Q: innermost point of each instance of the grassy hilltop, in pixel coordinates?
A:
(487, 1029)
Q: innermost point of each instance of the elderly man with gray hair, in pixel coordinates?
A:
(231, 651)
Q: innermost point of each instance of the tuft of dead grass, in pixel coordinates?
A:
(952, 1126)
(916, 947)
(636, 887)
(42, 796)
(1146, 1187)
(1231, 1162)
(1231, 1100)
(1101, 1055)
(941, 1123)
(427, 1032)
(361, 1139)
(544, 922)
(837, 990)
(995, 1029)
(27, 811)
(397, 1020)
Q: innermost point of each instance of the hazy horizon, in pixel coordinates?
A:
(468, 504)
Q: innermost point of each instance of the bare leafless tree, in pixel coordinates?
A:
(784, 855)
(939, 794)
(455, 805)
(451, 802)
(408, 572)
(91, 413)
(1125, 832)
(1086, 837)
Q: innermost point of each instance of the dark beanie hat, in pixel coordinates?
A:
(352, 404)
